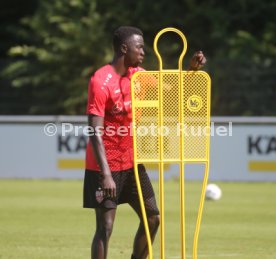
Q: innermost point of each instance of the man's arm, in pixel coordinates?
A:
(97, 123)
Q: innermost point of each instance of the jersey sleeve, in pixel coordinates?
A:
(97, 98)
(151, 80)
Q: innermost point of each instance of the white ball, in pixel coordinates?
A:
(213, 192)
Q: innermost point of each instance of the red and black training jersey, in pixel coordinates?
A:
(109, 96)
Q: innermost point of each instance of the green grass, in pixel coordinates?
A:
(45, 219)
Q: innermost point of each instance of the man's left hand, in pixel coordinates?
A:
(198, 61)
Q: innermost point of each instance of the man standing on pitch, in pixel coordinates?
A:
(109, 176)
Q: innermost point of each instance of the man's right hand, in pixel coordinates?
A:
(108, 186)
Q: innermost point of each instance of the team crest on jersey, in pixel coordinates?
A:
(117, 107)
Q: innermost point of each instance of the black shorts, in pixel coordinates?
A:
(126, 190)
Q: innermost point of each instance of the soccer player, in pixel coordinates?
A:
(109, 176)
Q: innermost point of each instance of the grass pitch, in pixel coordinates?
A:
(44, 219)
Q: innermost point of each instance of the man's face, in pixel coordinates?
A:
(134, 51)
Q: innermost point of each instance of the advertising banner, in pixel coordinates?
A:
(242, 149)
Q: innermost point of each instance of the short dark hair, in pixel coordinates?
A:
(122, 34)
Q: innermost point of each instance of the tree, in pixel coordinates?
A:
(57, 65)
(69, 39)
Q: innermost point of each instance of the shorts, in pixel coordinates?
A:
(126, 190)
